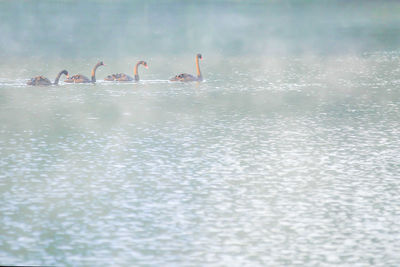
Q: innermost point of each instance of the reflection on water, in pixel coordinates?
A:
(273, 160)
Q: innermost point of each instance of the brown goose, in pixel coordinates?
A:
(79, 78)
(43, 81)
(122, 77)
(184, 77)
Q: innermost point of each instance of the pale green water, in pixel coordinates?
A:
(287, 154)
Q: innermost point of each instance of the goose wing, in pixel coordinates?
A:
(184, 77)
(39, 80)
(78, 78)
(121, 77)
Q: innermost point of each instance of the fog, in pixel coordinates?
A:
(37, 36)
(229, 28)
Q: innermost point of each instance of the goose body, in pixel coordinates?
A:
(119, 77)
(79, 78)
(185, 77)
(43, 81)
(39, 80)
(122, 77)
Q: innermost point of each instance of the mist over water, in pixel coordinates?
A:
(287, 153)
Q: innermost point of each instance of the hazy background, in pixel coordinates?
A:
(123, 28)
(38, 35)
(287, 153)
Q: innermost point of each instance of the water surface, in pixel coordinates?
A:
(287, 153)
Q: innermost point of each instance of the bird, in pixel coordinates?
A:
(43, 81)
(122, 77)
(79, 78)
(184, 77)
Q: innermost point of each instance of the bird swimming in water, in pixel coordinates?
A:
(184, 77)
(43, 81)
(79, 78)
(122, 77)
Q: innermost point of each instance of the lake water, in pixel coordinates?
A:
(287, 153)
